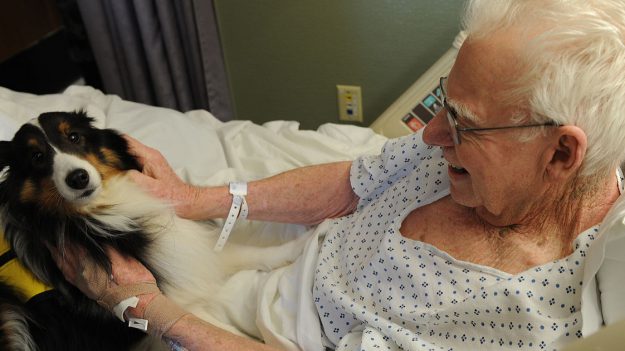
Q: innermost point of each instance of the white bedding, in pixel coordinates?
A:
(205, 151)
(197, 144)
(202, 149)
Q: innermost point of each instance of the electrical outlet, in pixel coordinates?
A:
(350, 103)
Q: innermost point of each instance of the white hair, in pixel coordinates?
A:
(575, 66)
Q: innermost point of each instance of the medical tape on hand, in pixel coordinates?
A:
(162, 314)
(119, 298)
(97, 284)
(238, 209)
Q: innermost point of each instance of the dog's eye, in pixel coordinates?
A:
(37, 156)
(74, 137)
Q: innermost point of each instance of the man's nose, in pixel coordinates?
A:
(437, 131)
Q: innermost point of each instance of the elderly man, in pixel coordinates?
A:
(470, 233)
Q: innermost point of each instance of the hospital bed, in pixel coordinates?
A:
(206, 151)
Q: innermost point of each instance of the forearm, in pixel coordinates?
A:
(190, 332)
(305, 195)
(193, 333)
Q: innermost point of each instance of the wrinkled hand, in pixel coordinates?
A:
(129, 278)
(81, 270)
(159, 179)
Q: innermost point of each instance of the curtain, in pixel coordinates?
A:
(159, 52)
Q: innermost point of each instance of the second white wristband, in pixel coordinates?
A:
(237, 209)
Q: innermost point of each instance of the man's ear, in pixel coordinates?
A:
(5, 153)
(568, 151)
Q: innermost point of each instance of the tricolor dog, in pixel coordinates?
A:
(63, 181)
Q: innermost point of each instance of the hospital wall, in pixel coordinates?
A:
(285, 57)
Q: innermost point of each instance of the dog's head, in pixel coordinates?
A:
(55, 166)
(58, 162)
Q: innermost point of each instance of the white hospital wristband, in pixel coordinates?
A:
(121, 307)
(238, 209)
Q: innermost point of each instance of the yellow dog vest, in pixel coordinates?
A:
(13, 273)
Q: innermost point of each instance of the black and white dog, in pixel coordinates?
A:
(64, 182)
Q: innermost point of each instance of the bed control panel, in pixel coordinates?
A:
(420, 102)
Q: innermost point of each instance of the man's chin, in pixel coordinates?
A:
(462, 197)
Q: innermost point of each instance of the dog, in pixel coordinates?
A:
(65, 182)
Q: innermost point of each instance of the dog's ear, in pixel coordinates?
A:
(5, 154)
(120, 146)
(82, 114)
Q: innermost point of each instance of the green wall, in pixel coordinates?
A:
(285, 57)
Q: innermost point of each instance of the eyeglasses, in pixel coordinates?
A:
(452, 118)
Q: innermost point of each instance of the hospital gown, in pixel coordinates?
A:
(376, 290)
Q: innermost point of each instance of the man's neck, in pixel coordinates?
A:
(552, 224)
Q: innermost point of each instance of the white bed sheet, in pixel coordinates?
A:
(197, 144)
(200, 148)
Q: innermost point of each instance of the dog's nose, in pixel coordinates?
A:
(77, 179)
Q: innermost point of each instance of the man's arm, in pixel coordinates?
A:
(165, 317)
(193, 333)
(304, 195)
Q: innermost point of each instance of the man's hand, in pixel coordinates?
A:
(81, 270)
(158, 178)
